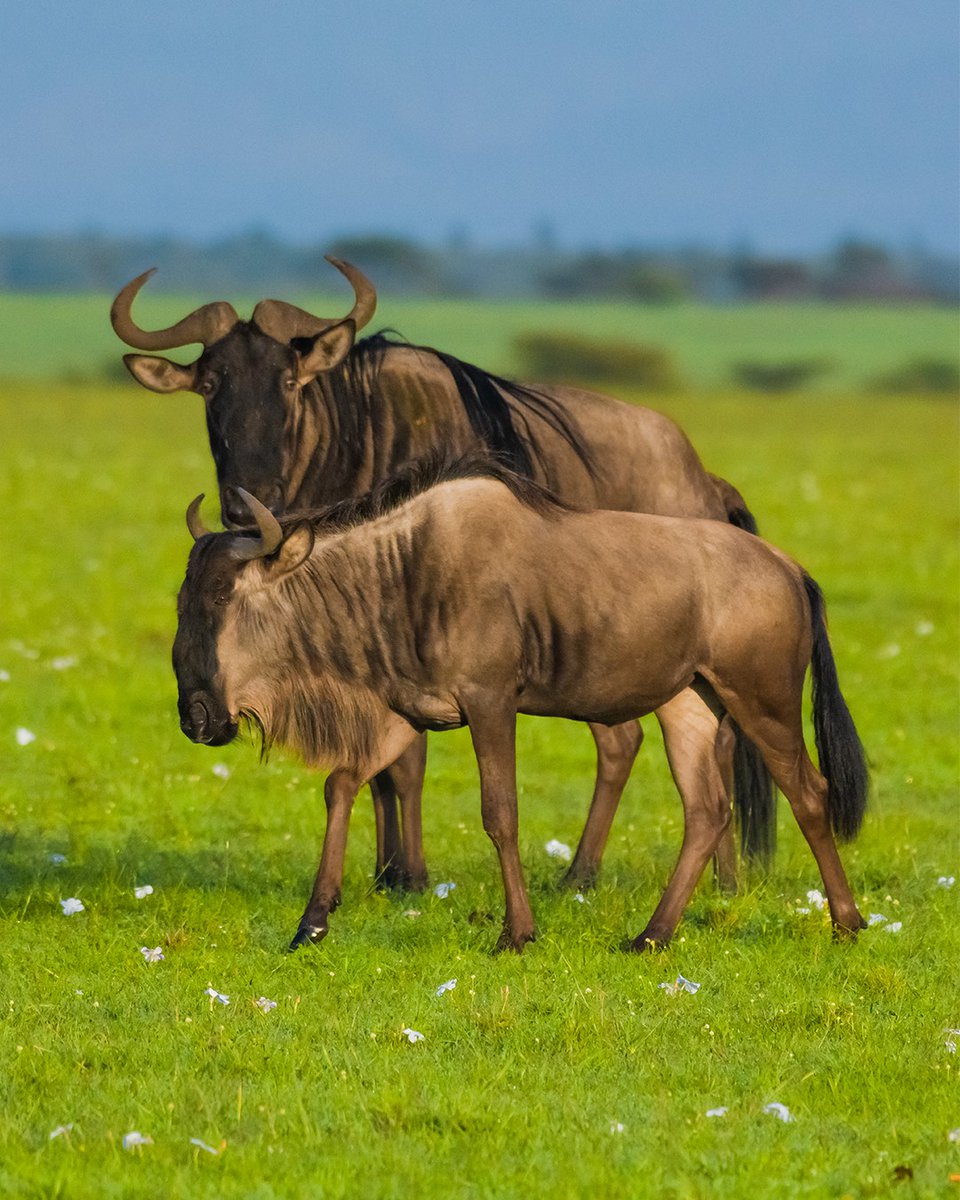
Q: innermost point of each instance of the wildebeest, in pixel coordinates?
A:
(437, 603)
(301, 416)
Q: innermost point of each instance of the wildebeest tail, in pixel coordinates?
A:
(754, 801)
(842, 760)
(754, 796)
(737, 512)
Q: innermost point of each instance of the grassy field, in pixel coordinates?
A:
(45, 337)
(566, 1072)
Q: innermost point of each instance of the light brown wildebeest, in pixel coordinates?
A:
(300, 416)
(345, 633)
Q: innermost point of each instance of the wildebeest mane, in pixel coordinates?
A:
(353, 386)
(418, 477)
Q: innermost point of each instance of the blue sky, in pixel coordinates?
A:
(780, 123)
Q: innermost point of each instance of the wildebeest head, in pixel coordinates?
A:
(249, 374)
(207, 706)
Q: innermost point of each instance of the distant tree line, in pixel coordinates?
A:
(258, 262)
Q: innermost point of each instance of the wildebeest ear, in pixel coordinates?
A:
(295, 548)
(329, 348)
(160, 374)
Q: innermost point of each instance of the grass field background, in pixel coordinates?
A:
(47, 337)
(565, 1072)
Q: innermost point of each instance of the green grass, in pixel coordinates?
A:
(43, 337)
(529, 1063)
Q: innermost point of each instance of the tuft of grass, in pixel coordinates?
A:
(531, 1065)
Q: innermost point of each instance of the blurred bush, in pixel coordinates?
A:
(938, 375)
(573, 358)
(785, 376)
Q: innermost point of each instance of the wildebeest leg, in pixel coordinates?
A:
(493, 731)
(339, 793)
(790, 765)
(407, 774)
(725, 858)
(691, 733)
(617, 747)
(388, 872)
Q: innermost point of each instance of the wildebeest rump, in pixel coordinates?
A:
(344, 634)
(299, 415)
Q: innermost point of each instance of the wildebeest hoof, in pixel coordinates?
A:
(646, 943)
(584, 879)
(307, 935)
(515, 942)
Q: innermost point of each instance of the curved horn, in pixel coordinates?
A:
(194, 520)
(365, 293)
(206, 324)
(284, 322)
(271, 535)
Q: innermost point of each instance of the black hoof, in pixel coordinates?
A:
(645, 944)
(507, 941)
(581, 880)
(307, 935)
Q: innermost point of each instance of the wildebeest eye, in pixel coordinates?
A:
(290, 383)
(208, 385)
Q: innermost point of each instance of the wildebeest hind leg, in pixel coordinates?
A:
(493, 731)
(400, 863)
(617, 747)
(691, 732)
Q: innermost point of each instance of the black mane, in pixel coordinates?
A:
(419, 477)
(353, 386)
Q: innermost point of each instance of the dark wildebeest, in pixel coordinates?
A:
(300, 416)
(345, 633)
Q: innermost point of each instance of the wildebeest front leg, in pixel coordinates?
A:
(339, 793)
(691, 735)
(388, 868)
(493, 731)
(617, 747)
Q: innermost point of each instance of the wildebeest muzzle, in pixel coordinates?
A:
(203, 720)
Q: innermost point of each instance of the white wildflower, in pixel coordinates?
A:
(816, 899)
(443, 890)
(924, 628)
(446, 987)
(64, 662)
(71, 906)
(221, 770)
(411, 913)
(412, 1035)
(953, 1135)
(144, 891)
(950, 1044)
(680, 985)
(152, 956)
(215, 995)
(876, 919)
(580, 897)
(890, 650)
(24, 736)
(558, 850)
(203, 1146)
(58, 860)
(4, 675)
(780, 1111)
(136, 1138)
(617, 1127)
(716, 1112)
(945, 881)
(893, 927)
(60, 1131)
(264, 1004)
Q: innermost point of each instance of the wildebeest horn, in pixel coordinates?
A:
(284, 322)
(194, 520)
(271, 535)
(206, 324)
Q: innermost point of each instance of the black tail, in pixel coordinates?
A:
(754, 801)
(842, 760)
(754, 796)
